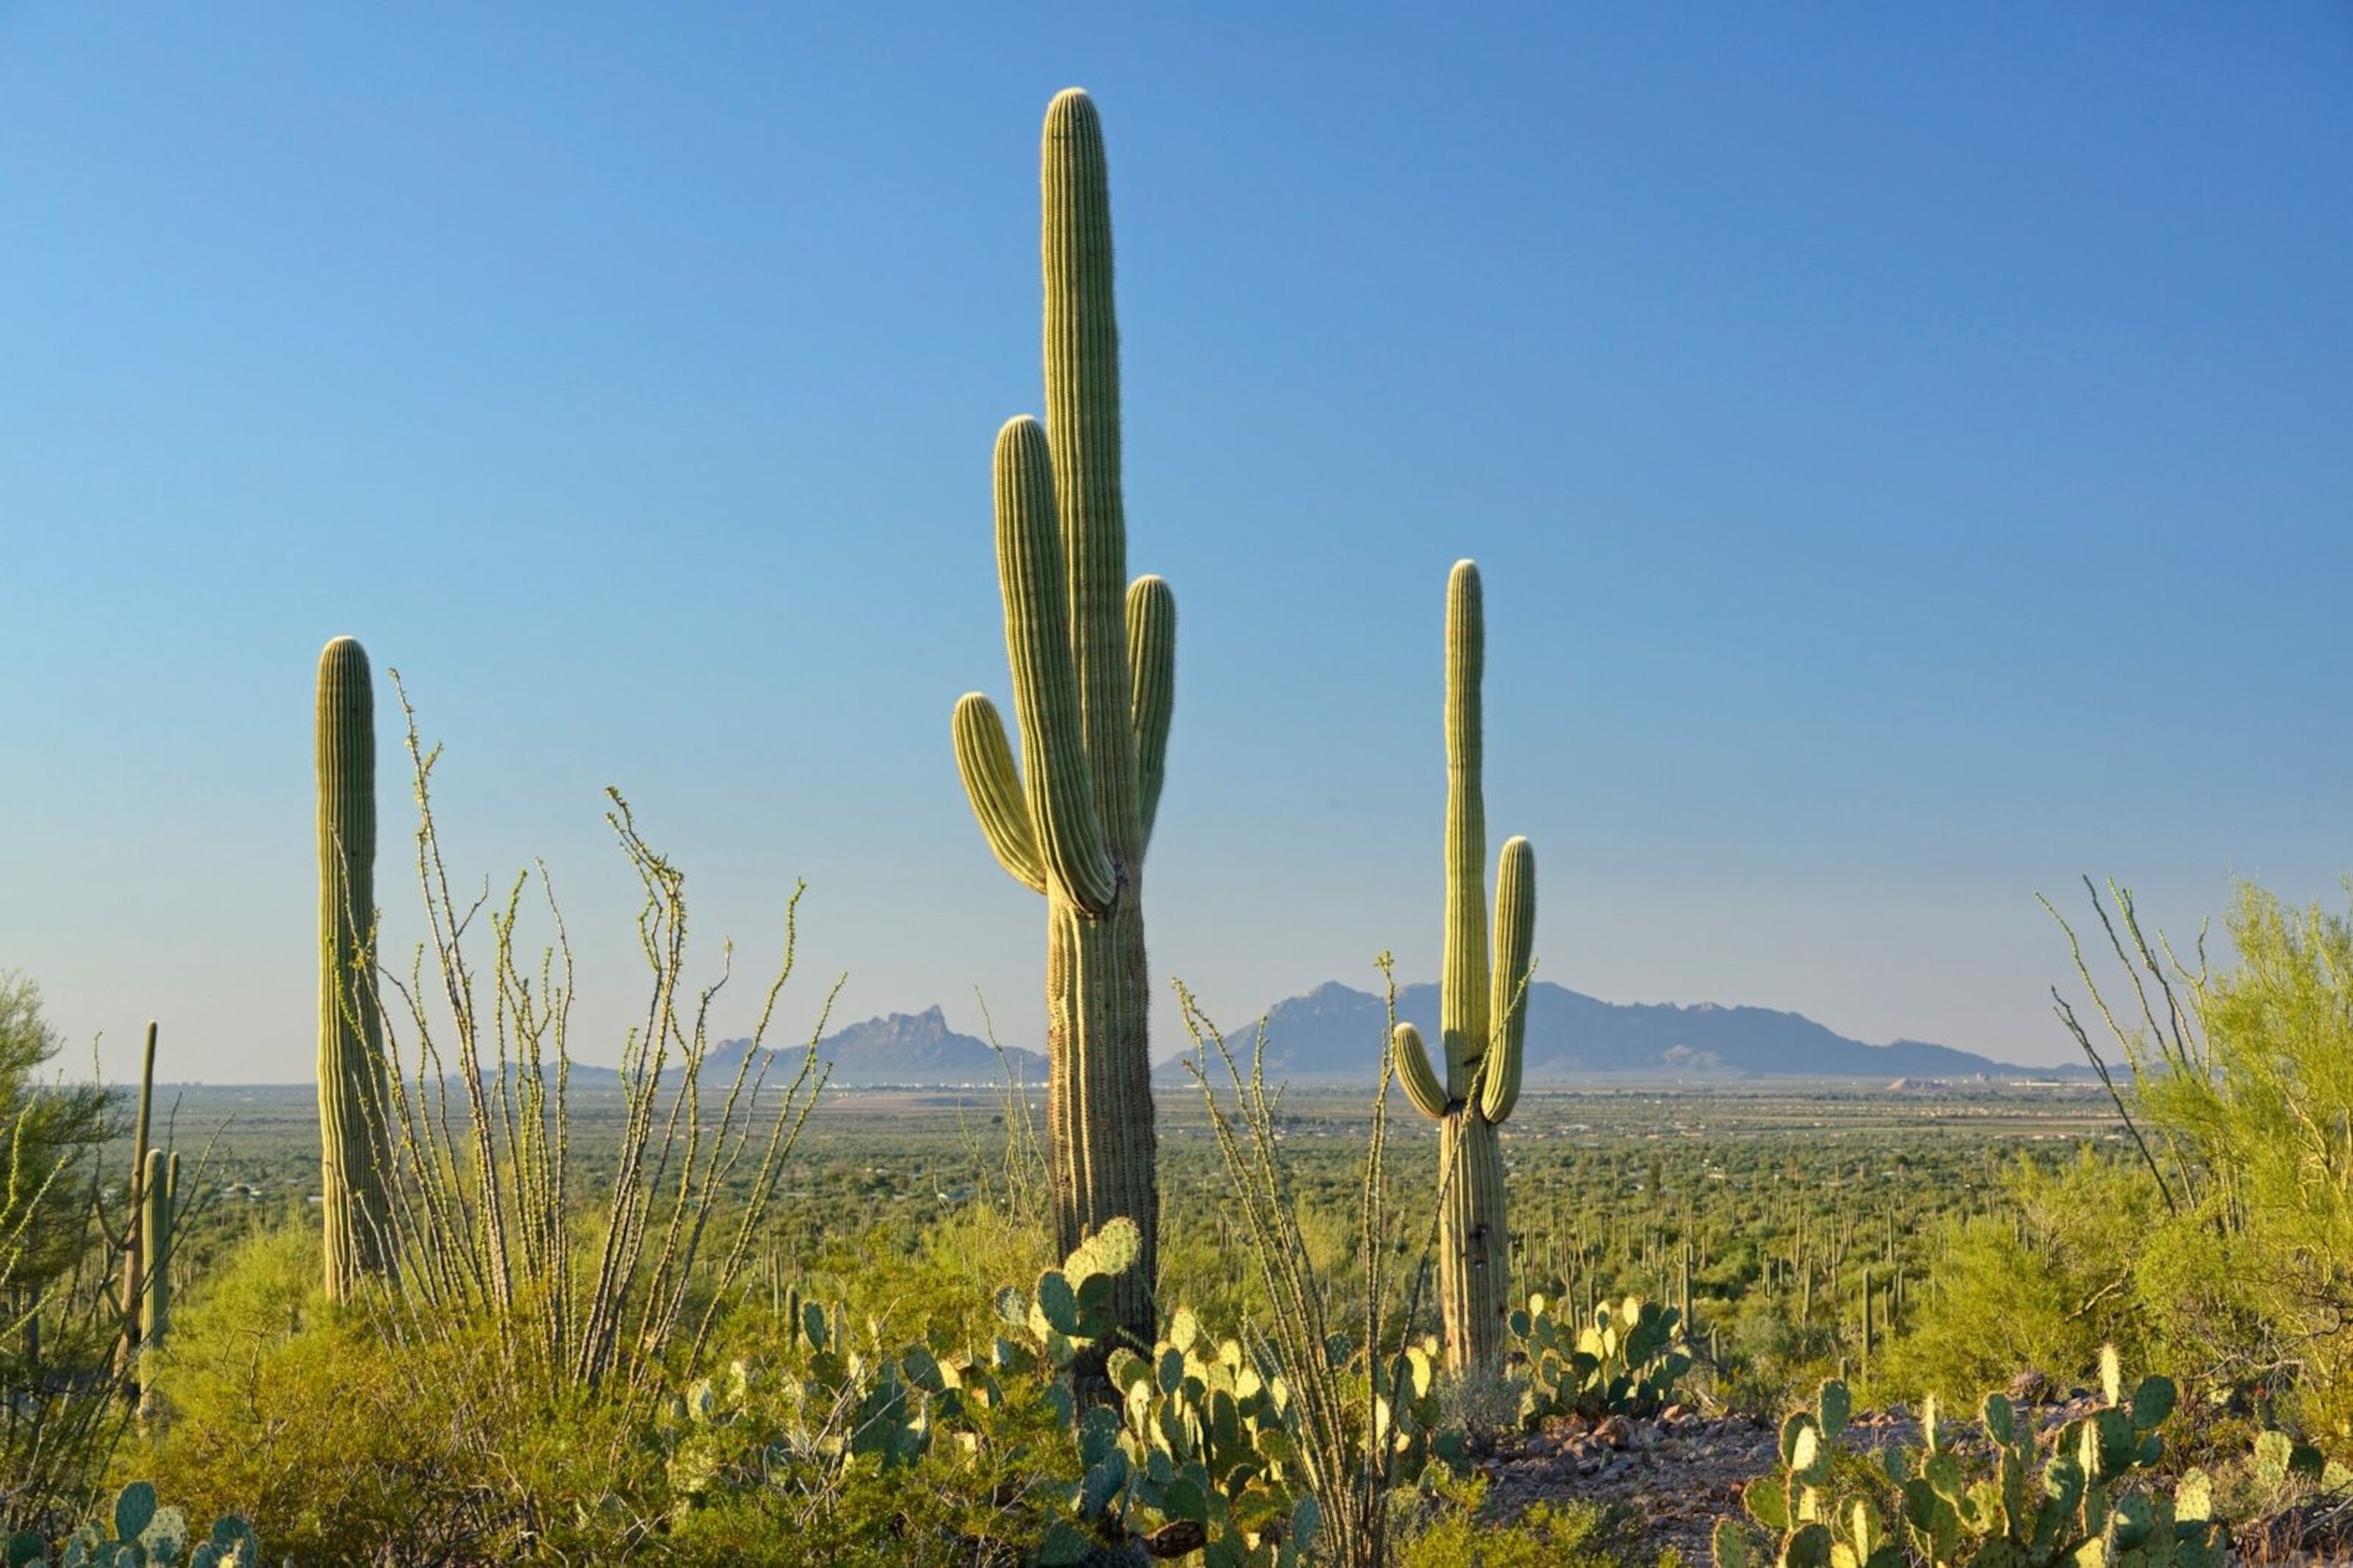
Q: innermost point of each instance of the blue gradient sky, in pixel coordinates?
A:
(1908, 452)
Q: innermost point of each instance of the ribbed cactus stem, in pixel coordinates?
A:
(1483, 1013)
(135, 1251)
(158, 1184)
(351, 1074)
(1094, 664)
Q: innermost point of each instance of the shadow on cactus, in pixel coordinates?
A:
(1627, 1362)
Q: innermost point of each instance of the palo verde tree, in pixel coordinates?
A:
(1482, 1014)
(1093, 663)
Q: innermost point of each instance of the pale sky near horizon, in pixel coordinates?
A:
(1907, 453)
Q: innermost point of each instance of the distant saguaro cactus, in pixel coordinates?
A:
(1093, 683)
(160, 1196)
(352, 1076)
(1482, 1014)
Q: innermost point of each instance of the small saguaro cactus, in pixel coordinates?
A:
(159, 1200)
(351, 1074)
(1093, 663)
(133, 1244)
(1482, 1014)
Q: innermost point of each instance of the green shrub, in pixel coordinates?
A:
(1569, 1534)
(2238, 1252)
(343, 1444)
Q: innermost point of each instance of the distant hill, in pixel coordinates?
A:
(904, 1048)
(1335, 1033)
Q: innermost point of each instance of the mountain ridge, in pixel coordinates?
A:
(1334, 1032)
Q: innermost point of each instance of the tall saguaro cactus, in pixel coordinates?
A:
(1093, 662)
(351, 1074)
(1482, 1014)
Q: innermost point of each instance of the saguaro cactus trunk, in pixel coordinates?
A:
(1482, 1014)
(351, 1074)
(1094, 664)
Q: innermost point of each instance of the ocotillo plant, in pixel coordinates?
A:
(1093, 685)
(1482, 1014)
(352, 1080)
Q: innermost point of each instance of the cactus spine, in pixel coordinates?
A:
(1093, 666)
(1482, 1014)
(352, 1076)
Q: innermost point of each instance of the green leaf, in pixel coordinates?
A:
(1730, 1547)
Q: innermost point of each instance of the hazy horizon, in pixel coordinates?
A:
(1906, 456)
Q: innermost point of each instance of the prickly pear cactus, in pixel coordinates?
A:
(1997, 1512)
(139, 1534)
(1093, 663)
(1482, 1014)
(1627, 1362)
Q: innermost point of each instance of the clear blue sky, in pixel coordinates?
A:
(1910, 452)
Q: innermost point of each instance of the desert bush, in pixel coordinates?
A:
(2240, 1111)
(59, 1325)
(1572, 1533)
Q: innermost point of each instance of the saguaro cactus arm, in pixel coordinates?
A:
(993, 784)
(1152, 675)
(1516, 938)
(1415, 1075)
(1057, 768)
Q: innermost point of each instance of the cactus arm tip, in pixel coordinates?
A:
(1417, 1077)
(992, 785)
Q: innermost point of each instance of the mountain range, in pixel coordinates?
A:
(902, 1048)
(1334, 1033)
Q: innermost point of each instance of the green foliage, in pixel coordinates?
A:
(336, 1438)
(50, 1132)
(1569, 1534)
(1629, 1361)
(2242, 1115)
(57, 1342)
